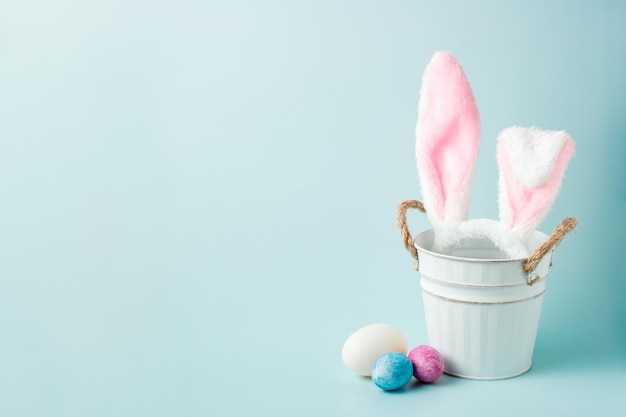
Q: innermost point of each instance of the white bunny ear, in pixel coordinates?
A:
(531, 162)
(447, 138)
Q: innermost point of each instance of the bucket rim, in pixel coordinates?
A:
(543, 236)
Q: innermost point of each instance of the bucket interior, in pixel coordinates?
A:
(478, 248)
(481, 248)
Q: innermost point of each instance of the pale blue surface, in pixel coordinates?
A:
(197, 202)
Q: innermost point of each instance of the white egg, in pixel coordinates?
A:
(366, 345)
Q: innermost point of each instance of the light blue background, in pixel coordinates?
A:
(197, 201)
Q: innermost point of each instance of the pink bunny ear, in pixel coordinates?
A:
(447, 138)
(531, 163)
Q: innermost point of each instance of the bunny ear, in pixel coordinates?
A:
(447, 137)
(531, 162)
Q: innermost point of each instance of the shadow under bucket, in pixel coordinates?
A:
(481, 314)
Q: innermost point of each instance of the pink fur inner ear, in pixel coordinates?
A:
(529, 206)
(448, 130)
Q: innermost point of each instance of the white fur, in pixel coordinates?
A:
(533, 152)
(446, 148)
(449, 236)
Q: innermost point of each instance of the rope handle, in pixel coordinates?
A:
(407, 239)
(530, 264)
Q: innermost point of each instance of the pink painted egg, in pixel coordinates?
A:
(427, 363)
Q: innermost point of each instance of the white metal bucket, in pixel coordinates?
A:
(481, 314)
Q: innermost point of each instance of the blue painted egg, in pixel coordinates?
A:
(392, 371)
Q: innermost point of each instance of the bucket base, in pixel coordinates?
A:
(487, 378)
